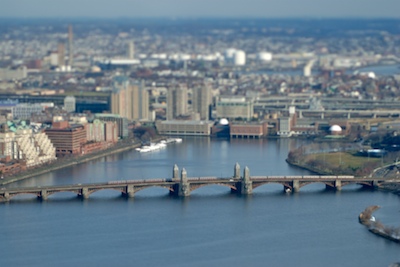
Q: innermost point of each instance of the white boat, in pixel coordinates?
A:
(288, 190)
(152, 147)
(157, 146)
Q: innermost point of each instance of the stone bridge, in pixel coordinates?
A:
(182, 185)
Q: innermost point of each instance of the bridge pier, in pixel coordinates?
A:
(43, 195)
(184, 186)
(129, 191)
(6, 196)
(337, 185)
(84, 193)
(375, 184)
(296, 186)
(246, 187)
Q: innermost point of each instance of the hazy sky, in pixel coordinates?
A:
(200, 8)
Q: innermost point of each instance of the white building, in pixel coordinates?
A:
(239, 58)
(70, 103)
(264, 56)
(24, 111)
(235, 57)
(24, 144)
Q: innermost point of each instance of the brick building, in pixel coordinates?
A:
(67, 139)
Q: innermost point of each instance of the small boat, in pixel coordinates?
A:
(288, 190)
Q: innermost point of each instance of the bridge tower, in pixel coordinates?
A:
(246, 183)
(175, 172)
(184, 186)
(236, 171)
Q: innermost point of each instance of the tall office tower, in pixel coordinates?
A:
(201, 102)
(129, 101)
(131, 50)
(70, 46)
(140, 102)
(177, 99)
(61, 54)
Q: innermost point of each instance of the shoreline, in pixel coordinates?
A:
(391, 187)
(56, 165)
(376, 227)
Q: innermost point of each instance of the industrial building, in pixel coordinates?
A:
(248, 129)
(181, 127)
(233, 107)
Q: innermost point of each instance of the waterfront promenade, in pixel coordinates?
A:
(182, 185)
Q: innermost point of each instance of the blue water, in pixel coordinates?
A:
(212, 227)
(381, 70)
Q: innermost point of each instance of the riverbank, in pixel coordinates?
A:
(122, 146)
(308, 168)
(367, 219)
(392, 187)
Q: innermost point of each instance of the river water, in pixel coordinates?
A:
(212, 227)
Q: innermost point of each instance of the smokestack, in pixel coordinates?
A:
(70, 39)
(61, 54)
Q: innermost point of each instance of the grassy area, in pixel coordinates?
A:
(343, 159)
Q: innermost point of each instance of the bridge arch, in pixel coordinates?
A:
(261, 184)
(194, 187)
(141, 188)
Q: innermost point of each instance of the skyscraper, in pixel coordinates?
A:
(70, 46)
(201, 101)
(130, 101)
(177, 99)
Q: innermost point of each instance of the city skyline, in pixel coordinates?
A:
(205, 8)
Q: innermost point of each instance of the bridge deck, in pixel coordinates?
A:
(129, 187)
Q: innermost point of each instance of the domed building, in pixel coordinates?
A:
(223, 122)
(335, 130)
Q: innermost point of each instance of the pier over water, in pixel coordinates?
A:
(182, 185)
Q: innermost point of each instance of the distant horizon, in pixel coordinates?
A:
(197, 18)
(205, 8)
